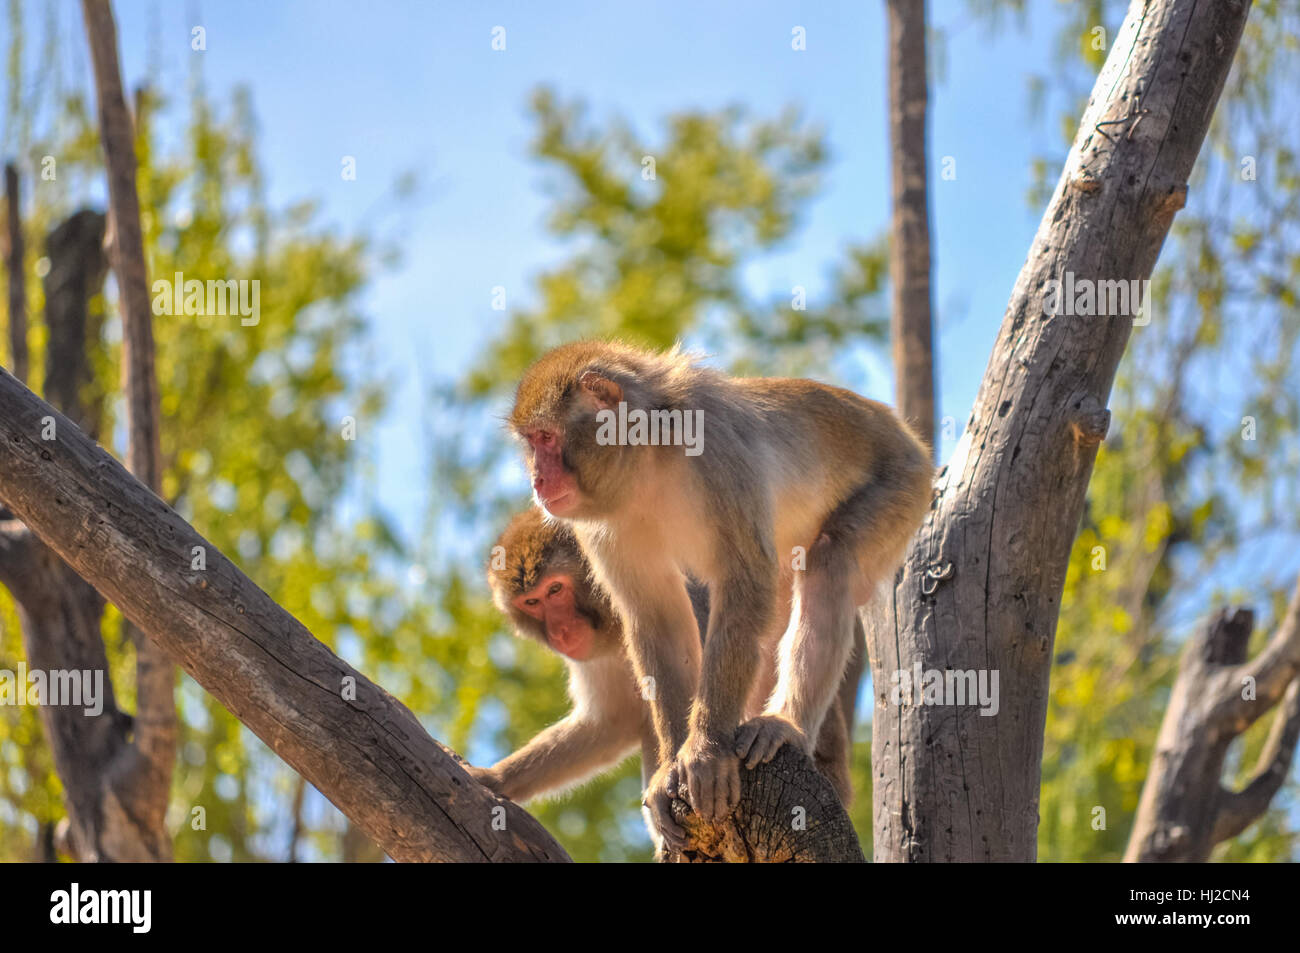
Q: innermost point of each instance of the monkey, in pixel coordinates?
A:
(540, 579)
(793, 502)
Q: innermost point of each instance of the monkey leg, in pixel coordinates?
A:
(860, 545)
(832, 753)
(816, 649)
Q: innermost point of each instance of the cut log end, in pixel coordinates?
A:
(788, 813)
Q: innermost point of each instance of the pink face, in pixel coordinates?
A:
(554, 484)
(551, 602)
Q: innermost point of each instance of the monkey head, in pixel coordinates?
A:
(575, 475)
(540, 579)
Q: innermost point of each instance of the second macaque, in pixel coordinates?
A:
(541, 580)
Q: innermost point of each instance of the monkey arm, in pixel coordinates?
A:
(566, 753)
(742, 612)
(663, 642)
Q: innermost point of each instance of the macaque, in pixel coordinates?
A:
(540, 579)
(791, 499)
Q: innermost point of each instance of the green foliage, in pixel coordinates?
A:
(253, 450)
(660, 234)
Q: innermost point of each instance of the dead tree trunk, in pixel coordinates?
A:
(911, 323)
(980, 588)
(1185, 810)
(155, 678)
(362, 748)
(60, 613)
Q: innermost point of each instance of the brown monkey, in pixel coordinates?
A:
(539, 577)
(792, 500)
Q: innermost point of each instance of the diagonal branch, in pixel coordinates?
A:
(1239, 809)
(362, 748)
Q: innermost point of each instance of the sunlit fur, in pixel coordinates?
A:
(788, 467)
(609, 718)
(534, 547)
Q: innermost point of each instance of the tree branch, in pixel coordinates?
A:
(1184, 810)
(17, 277)
(1239, 809)
(155, 679)
(362, 748)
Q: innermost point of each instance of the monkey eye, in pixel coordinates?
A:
(555, 588)
(531, 602)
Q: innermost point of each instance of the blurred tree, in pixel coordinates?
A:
(253, 447)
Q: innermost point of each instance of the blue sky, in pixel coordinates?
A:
(417, 85)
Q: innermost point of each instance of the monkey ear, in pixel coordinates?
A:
(604, 391)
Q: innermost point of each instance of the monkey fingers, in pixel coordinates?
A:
(758, 740)
(658, 801)
(712, 773)
(486, 777)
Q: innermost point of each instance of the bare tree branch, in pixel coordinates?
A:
(1184, 810)
(358, 745)
(155, 679)
(911, 321)
(17, 277)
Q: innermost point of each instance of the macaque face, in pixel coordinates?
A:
(554, 484)
(552, 602)
(562, 447)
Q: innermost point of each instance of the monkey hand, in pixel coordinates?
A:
(711, 770)
(487, 777)
(658, 801)
(758, 740)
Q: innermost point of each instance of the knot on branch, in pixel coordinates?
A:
(788, 813)
(1090, 421)
(1227, 636)
(1165, 205)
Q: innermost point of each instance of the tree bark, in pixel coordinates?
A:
(981, 584)
(1185, 810)
(17, 277)
(362, 748)
(155, 679)
(911, 328)
(788, 813)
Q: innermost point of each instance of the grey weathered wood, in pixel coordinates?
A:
(981, 584)
(911, 321)
(369, 755)
(1185, 810)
